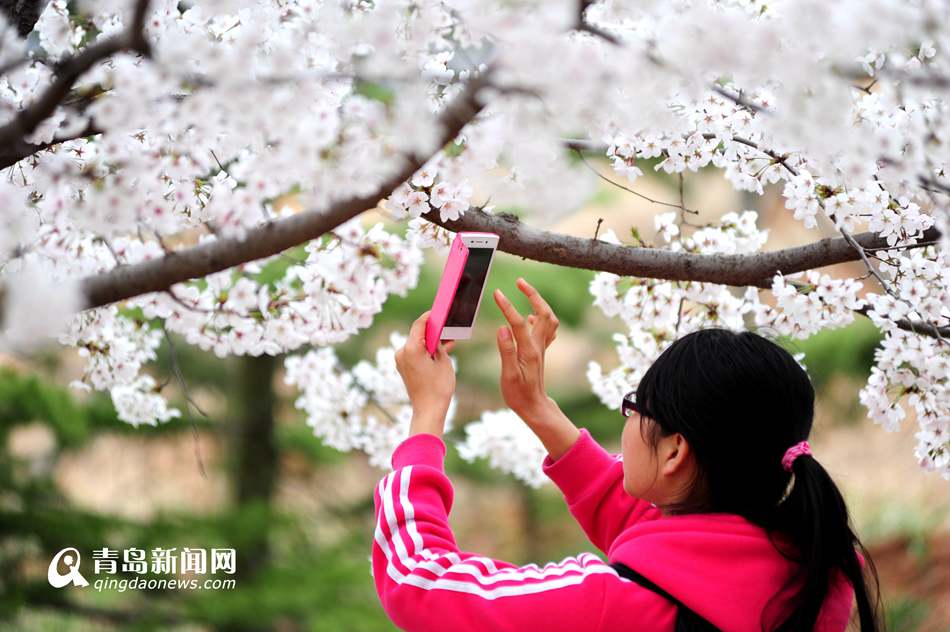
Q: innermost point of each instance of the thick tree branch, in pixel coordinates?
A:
(272, 238)
(736, 270)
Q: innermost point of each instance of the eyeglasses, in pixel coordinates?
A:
(629, 404)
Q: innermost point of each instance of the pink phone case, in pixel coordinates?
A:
(451, 275)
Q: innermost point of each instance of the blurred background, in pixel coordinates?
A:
(248, 473)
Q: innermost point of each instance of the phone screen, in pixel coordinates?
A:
(469, 289)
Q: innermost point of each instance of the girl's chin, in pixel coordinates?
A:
(631, 491)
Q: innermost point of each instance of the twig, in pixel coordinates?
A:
(781, 159)
(628, 190)
(371, 399)
(220, 166)
(918, 327)
(873, 271)
(584, 26)
(860, 250)
(679, 316)
(683, 209)
(738, 99)
(184, 387)
(105, 242)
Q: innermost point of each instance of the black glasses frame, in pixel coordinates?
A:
(629, 404)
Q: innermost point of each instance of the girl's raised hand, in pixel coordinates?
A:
(429, 380)
(522, 344)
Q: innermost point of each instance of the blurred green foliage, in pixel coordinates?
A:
(905, 614)
(308, 586)
(27, 398)
(845, 351)
(897, 519)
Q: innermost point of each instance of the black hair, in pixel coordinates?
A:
(740, 400)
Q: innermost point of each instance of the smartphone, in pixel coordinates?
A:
(460, 293)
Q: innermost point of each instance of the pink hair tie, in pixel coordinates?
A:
(793, 453)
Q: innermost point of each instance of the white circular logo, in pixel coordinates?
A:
(70, 558)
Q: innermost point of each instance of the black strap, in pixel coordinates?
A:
(686, 619)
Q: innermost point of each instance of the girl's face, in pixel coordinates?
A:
(640, 468)
(662, 477)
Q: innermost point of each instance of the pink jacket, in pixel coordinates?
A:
(720, 565)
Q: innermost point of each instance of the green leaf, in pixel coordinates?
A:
(375, 91)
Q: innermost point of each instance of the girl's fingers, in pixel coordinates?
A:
(543, 311)
(518, 324)
(541, 307)
(542, 324)
(417, 332)
(510, 371)
(542, 334)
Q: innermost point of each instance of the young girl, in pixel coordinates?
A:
(703, 523)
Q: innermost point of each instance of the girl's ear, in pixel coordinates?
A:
(674, 453)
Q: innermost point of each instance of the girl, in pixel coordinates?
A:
(701, 520)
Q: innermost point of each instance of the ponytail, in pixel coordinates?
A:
(815, 516)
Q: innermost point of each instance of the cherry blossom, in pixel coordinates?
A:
(508, 444)
(239, 106)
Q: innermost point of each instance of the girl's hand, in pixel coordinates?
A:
(429, 380)
(522, 354)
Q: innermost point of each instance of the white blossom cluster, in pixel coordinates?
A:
(839, 105)
(430, 236)
(912, 369)
(139, 402)
(803, 309)
(323, 299)
(913, 366)
(501, 437)
(656, 313)
(899, 221)
(365, 408)
(422, 193)
(42, 298)
(115, 350)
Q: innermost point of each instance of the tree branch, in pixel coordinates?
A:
(916, 327)
(14, 133)
(736, 270)
(272, 238)
(20, 149)
(584, 26)
(23, 13)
